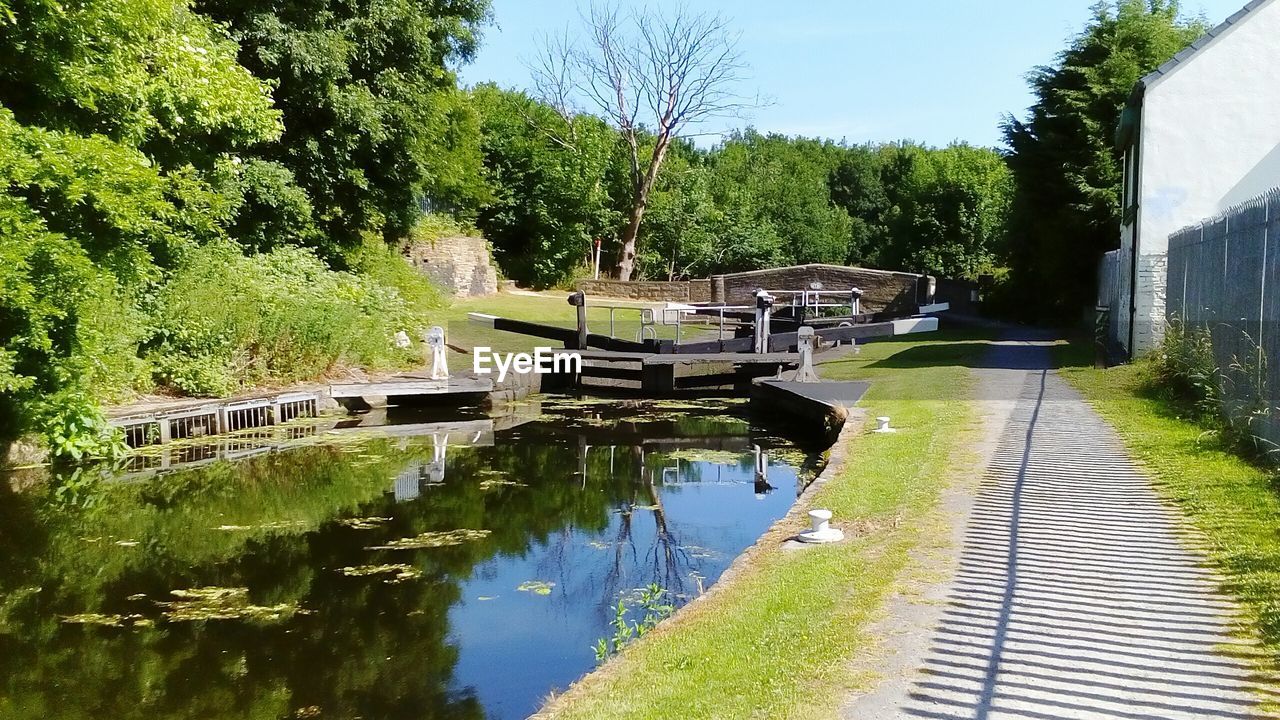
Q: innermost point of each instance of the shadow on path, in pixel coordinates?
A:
(1078, 594)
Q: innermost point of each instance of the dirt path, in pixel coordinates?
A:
(1073, 590)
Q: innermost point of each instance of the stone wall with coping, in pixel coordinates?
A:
(683, 291)
(893, 292)
(883, 291)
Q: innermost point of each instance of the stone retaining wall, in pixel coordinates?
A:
(460, 265)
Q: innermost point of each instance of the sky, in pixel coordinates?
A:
(933, 71)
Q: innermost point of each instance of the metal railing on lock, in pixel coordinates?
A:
(676, 316)
(812, 302)
(647, 322)
(815, 301)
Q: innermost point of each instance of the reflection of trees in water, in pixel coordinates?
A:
(643, 546)
(368, 648)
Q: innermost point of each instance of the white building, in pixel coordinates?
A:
(1200, 134)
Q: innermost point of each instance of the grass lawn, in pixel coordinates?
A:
(744, 652)
(1235, 503)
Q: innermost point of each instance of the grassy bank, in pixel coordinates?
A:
(1233, 501)
(744, 651)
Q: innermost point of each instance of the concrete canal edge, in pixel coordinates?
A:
(783, 530)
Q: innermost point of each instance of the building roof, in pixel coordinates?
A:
(1129, 120)
(1189, 51)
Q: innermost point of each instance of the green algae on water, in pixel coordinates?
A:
(366, 523)
(398, 572)
(433, 540)
(537, 587)
(714, 457)
(218, 603)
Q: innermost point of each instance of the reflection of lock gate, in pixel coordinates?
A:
(409, 483)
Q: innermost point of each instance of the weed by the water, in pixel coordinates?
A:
(652, 608)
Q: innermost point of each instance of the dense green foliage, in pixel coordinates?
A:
(292, 319)
(753, 201)
(1063, 155)
(373, 122)
(549, 178)
(139, 178)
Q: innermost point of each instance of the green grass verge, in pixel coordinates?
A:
(744, 651)
(1234, 502)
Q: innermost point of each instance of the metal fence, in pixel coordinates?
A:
(1224, 294)
(1113, 303)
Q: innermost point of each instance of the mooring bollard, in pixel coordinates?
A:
(821, 532)
(883, 427)
(855, 302)
(439, 361)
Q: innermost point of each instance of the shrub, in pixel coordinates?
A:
(1232, 399)
(226, 320)
(1185, 365)
(434, 226)
(381, 264)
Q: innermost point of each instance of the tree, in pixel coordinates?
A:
(700, 224)
(946, 210)
(786, 183)
(676, 70)
(1066, 210)
(549, 185)
(855, 185)
(149, 74)
(373, 121)
(113, 113)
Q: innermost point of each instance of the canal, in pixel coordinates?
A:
(361, 575)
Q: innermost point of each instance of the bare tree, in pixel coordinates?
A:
(647, 72)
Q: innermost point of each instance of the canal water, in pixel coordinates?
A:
(418, 571)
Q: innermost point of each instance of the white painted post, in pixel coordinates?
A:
(855, 302)
(807, 340)
(764, 310)
(439, 361)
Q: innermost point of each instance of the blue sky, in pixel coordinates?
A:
(927, 70)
